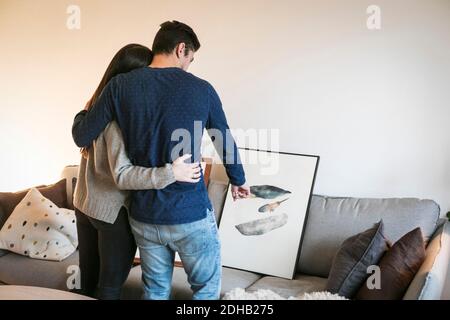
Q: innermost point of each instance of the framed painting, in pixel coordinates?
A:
(263, 233)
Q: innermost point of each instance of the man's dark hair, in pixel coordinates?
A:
(173, 33)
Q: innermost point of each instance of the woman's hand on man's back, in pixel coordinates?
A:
(186, 172)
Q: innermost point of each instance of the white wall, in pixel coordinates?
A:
(373, 104)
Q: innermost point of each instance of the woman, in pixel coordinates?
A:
(106, 243)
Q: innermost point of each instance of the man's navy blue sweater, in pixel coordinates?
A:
(149, 104)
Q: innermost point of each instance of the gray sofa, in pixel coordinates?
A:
(331, 220)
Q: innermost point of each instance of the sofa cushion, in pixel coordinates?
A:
(19, 270)
(290, 288)
(231, 278)
(332, 220)
(397, 268)
(357, 253)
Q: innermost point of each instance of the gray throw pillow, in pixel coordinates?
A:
(349, 270)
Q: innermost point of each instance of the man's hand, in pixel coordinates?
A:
(240, 192)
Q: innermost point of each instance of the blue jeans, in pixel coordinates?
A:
(198, 246)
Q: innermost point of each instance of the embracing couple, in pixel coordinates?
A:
(136, 185)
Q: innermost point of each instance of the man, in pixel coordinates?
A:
(150, 105)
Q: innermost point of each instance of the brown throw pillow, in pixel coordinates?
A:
(397, 268)
(357, 253)
(56, 193)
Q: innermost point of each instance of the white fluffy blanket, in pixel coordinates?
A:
(263, 294)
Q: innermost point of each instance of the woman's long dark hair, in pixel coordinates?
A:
(128, 58)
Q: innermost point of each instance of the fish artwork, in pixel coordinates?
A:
(270, 207)
(262, 226)
(267, 192)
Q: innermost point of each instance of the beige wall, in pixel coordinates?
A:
(373, 104)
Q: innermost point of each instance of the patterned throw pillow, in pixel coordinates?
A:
(39, 229)
(55, 193)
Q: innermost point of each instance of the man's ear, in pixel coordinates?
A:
(179, 50)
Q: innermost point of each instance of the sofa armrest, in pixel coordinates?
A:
(429, 282)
